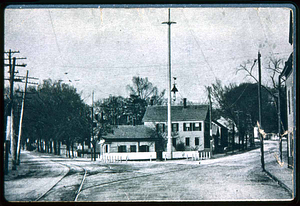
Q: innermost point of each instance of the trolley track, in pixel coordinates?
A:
(136, 177)
(62, 189)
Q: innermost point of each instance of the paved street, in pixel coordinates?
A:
(235, 177)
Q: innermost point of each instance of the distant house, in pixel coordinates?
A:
(129, 139)
(220, 136)
(288, 74)
(190, 123)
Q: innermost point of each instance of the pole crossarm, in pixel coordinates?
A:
(16, 58)
(169, 22)
(17, 65)
(11, 52)
(23, 77)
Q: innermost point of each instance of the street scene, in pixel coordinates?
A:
(107, 103)
(231, 177)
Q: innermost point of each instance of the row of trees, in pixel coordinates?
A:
(55, 113)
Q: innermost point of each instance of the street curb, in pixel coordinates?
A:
(280, 183)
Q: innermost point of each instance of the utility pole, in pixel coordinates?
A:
(92, 131)
(93, 150)
(25, 93)
(238, 116)
(210, 118)
(9, 122)
(259, 113)
(233, 137)
(21, 121)
(279, 117)
(169, 145)
(248, 130)
(10, 140)
(12, 132)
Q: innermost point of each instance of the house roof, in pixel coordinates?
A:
(131, 132)
(219, 124)
(178, 113)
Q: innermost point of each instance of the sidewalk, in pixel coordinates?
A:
(33, 177)
(280, 172)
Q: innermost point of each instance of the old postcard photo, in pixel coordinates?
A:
(149, 103)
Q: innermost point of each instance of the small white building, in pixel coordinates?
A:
(129, 142)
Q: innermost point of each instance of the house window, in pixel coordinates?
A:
(122, 148)
(197, 126)
(132, 148)
(187, 127)
(175, 127)
(187, 141)
(160, 128)
(106, 148)
(144, 148)
(196, 141)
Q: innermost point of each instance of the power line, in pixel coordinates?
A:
(54, 32)
(199, 45)
(55, 36)
(243, 90)
(264, 31)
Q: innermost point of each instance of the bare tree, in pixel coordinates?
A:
(145, 90)
(142, 88)
(275, 67)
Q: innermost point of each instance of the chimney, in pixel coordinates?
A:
(184, 102)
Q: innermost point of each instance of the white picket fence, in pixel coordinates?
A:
(119, 157)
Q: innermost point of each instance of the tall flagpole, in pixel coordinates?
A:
(169, 145)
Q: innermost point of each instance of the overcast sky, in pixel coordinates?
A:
(103, 48)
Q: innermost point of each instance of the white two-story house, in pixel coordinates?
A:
(190, 124)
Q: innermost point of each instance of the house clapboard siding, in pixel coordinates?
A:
(128, 139)
(190, 124)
